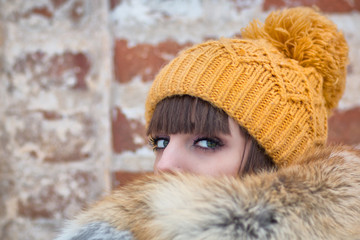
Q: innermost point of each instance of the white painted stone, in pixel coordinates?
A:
(140, 160)
(131, 97)
(152, 22)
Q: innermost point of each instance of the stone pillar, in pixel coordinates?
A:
(56, 71)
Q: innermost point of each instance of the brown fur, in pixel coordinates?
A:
(317, 197)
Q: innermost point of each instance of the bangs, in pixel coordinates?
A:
(186, 114)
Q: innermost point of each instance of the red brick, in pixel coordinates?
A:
(31, 208)
(41, 11)
(143, 59)
(51, 115)
(357, 4)
(77, 11)
(66, 154)
(344, 127)
(336, 6)
(58, 3)
(7, 177)
(51, 145)
(46, 201)
(54, 70)
(121, 178)
(114, 3)
(124, 131)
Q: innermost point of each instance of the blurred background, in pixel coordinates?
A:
(74, 75)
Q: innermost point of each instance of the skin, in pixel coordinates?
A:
(223, 154)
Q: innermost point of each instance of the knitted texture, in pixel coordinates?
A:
(280, 81)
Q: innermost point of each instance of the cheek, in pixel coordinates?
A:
(224, 163)
(231, 161)
(156, 162)
(228, 167)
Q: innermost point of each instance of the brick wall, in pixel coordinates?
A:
(74, 76)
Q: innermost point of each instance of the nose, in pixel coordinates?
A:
(170, 160)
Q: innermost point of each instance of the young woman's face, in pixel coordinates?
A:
(223, 154)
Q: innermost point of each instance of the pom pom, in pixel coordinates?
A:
(310, 38)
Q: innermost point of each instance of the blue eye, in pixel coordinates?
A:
(158, 143)
(208, 143)
(162, 143)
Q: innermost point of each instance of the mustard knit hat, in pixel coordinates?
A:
(280, 81)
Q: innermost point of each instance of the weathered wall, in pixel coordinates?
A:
(74, 76)
(55, 128)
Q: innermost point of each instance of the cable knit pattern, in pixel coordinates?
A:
(280, 82)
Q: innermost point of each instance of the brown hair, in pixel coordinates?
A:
(187, 114)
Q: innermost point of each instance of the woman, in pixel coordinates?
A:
(238, 127)
(190, 135)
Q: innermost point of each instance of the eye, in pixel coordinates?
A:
(158, 143)
(162, 143)
(208, 143)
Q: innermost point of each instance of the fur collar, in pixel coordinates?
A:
(317, 197)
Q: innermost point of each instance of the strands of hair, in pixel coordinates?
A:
(187, 114)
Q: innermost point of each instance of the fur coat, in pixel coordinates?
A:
(317, 197)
